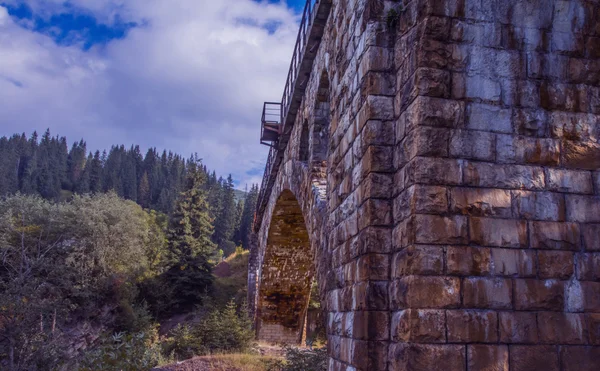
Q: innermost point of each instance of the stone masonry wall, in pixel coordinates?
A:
(455, 223)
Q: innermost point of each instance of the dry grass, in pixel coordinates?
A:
(224, 362)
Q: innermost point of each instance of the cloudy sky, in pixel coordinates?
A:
(182, 75)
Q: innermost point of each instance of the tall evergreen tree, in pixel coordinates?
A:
(190, 245)
(248, 216)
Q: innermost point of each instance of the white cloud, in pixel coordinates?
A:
(192, 78)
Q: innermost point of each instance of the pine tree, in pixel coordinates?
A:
(190, 246)
(248, 216)
(144, 191)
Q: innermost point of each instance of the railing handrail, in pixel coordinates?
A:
(306, 22)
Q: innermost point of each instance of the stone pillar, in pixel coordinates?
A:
(496, 201)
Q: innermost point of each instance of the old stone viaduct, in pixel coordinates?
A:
(435, 169)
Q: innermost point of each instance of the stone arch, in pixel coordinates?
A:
(303, 149)
(322, 122)
(286, 275)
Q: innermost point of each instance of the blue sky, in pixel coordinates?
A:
(188, 76)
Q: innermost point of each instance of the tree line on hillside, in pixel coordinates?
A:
(97, 261)
(47, 167)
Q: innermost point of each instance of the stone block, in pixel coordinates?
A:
(468, 261)
(487, 357)
(511, 262)
(481, 174)
(472, 144)
(580, 358)
(431, 82)
(593, 325)
(375, 185)
(418, 260)
(422, 141)
(530, 122)
(372, 267)
(374, 212)
(419, 326)
(527, 150)
(529, 358)
(591, 237)
(539, 205)
(583, 209)
(487, 293)
(533, 294)
(481, 202)
(482, 88)
(374, 240)
(489, 118)
(518, 327)
(555, 264)
(372, 325)
(437, 112)
(581, 155)
(562, 328)
(426, 357)
(590, 294)
(575, 126)
(469, 326)
(434, 171)
(569, 181)
(588, 266)
(425, 292)
(433, 229)
(556, 236)
(420, 199)
(498, 232)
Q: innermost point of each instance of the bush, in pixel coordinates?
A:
(221, 331)
(125, 352)
(297, 359)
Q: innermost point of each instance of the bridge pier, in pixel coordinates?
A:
(456, 225)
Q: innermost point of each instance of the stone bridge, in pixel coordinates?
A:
(437, 176)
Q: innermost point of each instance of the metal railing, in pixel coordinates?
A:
(306, 23)
(299, 50)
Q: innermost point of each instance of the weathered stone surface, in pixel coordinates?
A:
(555, 264)
(579, 358)
(539, 205)
(562, 328)
(430, 229)
(518, 327)
(421, 260)
(468, 261)
(487, 293)
(513, 262)
(481, 202)
(425, 292)
(588, 267)
(419, 326)
(569, 181)
(525, 150)
(487, 357)
(466, 326)
(478, 174)
(591, 237)
(551, 235)
(498, 232)
(526, 358)
(421, 357)
(472, 144)
(532, 294)
(583, 209)
(489, 118)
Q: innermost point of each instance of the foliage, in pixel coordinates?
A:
(47, 167)
(66, 262)
(298, 359)
(189, 271)
(125, 352)
(221, 331)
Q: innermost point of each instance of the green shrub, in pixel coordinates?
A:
(125, 352)
(301, 359)
(221, 331)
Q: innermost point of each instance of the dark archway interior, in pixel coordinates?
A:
(287, 273)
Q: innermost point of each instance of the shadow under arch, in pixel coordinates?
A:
(286, 275)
